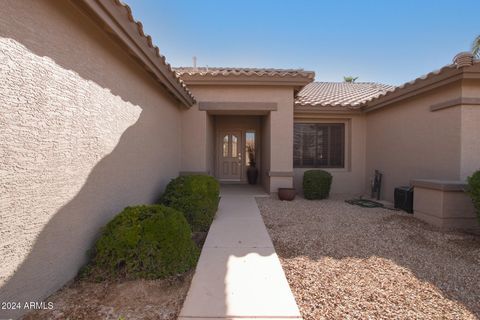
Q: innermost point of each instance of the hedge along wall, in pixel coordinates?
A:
(147, 241)
(196, 196)
(84, 132)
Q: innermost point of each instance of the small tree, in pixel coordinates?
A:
(476, 47)
(350, 79)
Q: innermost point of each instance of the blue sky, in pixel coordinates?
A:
(383, 41)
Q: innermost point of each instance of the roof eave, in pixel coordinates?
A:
(116, 20)
(320, 108)
(292, 81)
(444, 76)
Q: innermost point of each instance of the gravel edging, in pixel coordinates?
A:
(344, 261)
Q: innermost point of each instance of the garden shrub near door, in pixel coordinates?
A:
(474, 191)
(143, 242)
(316, 184)
(197, 196)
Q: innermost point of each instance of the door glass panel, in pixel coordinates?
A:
(234, 145)
(250, 148)
(225, 146)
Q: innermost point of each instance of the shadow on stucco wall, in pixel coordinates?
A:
(85, 132)
(60, 248)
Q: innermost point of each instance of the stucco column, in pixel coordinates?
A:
(281, 145)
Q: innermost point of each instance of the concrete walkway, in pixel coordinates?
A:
(239, 275)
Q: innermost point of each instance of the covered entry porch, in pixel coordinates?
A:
(238, 149)
(241, 143)
(241, 115)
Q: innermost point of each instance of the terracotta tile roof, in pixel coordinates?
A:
(461, 62)
(413, 82)
(258, 72)
(148, 38)
(368, 95)
(339, 94)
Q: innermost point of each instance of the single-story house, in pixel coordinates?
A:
(428, 128)
(94, 119)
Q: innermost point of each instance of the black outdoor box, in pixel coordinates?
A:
(403, 198)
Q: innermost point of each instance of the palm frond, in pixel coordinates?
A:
(349, 79)
(476, 47)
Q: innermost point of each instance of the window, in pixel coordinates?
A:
(250, 148)
(319, 145)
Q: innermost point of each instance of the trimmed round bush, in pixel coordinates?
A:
(316, 184)
(473, 191)
(149, 242)
(197, 196)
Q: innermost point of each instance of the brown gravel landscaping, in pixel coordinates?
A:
(348, 262)
(132, 300)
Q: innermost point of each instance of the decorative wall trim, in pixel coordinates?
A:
(280, 173)
(237, 106)
(443, 185)
(454, 103)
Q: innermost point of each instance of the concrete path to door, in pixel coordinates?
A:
(239, 275)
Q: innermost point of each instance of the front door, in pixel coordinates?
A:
(229, 152)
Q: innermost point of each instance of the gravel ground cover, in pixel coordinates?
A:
(348, 262)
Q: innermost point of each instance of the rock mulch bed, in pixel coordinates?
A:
(344, 261)
(135, 299)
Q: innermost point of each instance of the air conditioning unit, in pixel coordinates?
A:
(403, 198)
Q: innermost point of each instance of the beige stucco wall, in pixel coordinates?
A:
(277, 129)
(196, 140)
(350, 179)
(470, 149)
(407, 141)
(211, 143)
(281, 143)
(84, 132)
(447, 209)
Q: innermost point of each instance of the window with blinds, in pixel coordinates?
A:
(319, 145)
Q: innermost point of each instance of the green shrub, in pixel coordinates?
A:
(473, 191)
(197, 196)
(316, 184)
(143, 242)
